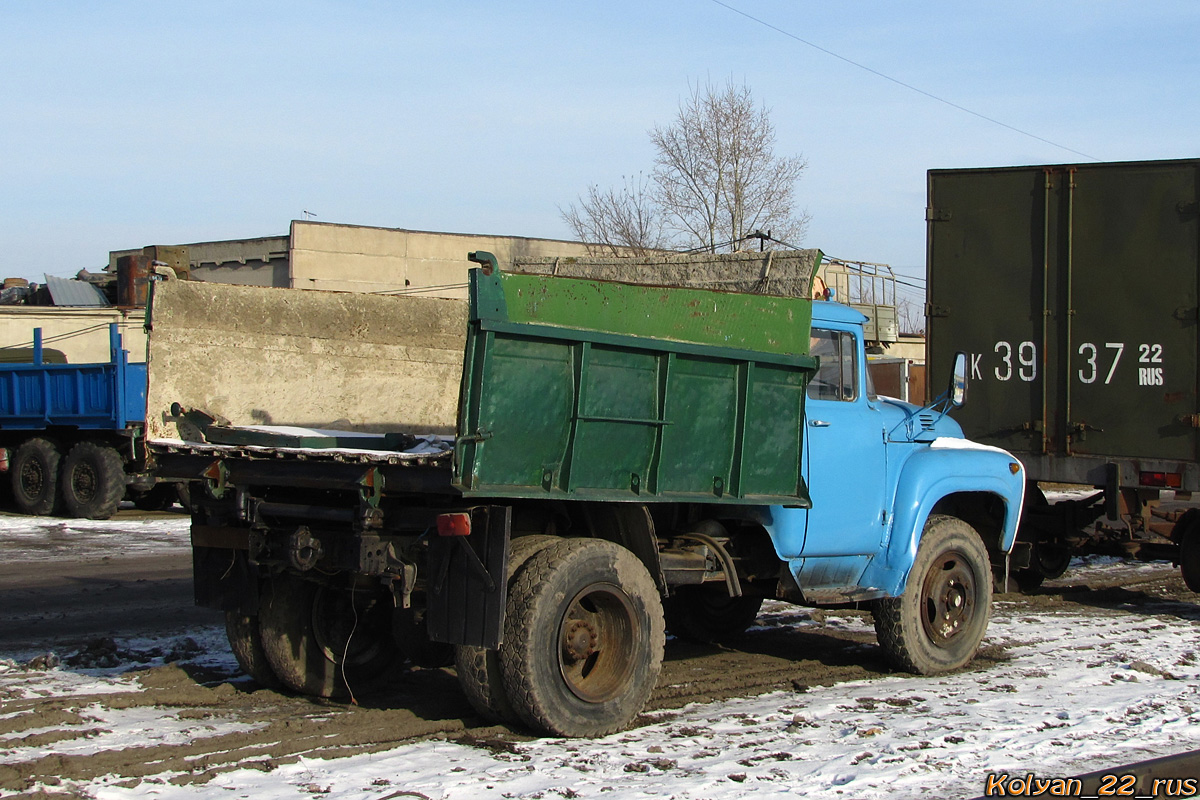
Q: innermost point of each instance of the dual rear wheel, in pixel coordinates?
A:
(583, 640)
(88, 483)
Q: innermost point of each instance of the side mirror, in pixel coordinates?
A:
(957, 391)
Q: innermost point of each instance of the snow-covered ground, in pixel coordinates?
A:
(1077, 689)
(25, 539)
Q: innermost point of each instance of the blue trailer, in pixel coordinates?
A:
(72, 434)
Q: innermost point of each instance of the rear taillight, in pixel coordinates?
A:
(454, 524)
(1170, 480)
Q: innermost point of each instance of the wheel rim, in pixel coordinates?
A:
(33, 477)
(83, 482)
(597, 637)
(948, 595)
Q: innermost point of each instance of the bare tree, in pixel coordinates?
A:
(716, 180)
(910, 315)
(717, 174)
(612, 219)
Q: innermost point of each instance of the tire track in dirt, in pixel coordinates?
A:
(789, 649)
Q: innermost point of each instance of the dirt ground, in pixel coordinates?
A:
(114, 599)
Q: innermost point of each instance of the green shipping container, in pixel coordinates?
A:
(596, 390)
(1073, 288)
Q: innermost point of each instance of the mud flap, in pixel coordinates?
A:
(466, 589)
(223, 579)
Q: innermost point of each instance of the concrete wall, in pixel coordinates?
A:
(260, 356)
(81, 334)
(245, 262)
(360, 259)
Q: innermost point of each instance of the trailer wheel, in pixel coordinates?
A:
(1189, 556)
(93, 481)
(159, 498)
(479, 668)
(323, 641)
(939, 621)
(35, 477)
(1046, 562)
(246, 642)
(583, 639)
(708, 614)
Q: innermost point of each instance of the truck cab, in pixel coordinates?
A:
(882, 474)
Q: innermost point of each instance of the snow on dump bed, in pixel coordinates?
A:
(425, 446)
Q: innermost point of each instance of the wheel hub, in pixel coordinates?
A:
(579, 641)
(948, 596)
(597, 637)
(83, 481)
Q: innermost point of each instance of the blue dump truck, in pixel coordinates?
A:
(71, 434)
(622, 461)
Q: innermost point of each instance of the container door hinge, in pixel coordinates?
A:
(1187, 210)
(932, 310)
(1187, 313)
(1191, 420)
(937, 215)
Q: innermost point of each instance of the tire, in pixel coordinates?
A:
(246, 642)
(937, 624)
(1189, 557)
(478, 668)
(93, 481)
(35, 467)
(161, 497)
(323, 641)
(183, 496)
(583, 639)
(1046, 562)
(707, 614)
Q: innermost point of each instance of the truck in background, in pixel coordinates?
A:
(540, 479)
(73, 396)
(1073, 289)
(71, 434)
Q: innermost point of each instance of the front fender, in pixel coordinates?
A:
(947, 466)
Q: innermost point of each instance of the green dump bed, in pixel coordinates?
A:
(544, 387)
(589, 389)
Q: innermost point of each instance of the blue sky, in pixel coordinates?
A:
(131, 123)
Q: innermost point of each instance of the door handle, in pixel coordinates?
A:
(818, 423)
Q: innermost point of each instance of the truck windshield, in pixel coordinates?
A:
(835, 380)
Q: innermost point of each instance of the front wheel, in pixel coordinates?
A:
(583, 639)
(939, 621)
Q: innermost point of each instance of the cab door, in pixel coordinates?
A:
(845, 453)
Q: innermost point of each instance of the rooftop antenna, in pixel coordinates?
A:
(308, 214)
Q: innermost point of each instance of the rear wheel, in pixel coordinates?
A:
(939, 621)
(709, 614)
(246, 642)
(325, 641)
(93, 481)
(583, 639)
(478, 668)
(35, 476)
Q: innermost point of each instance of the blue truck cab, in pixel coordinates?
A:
(905, 512)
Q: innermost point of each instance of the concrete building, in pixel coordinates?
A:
(357, 258)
